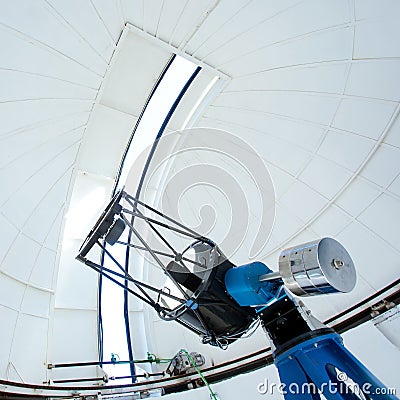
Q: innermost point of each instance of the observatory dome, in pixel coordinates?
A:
(310, 89)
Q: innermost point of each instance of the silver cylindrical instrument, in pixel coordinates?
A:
(318, 267)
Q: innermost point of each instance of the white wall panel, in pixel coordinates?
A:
(29, 350)
(76, 284)
(72, 342)
(107, 127)
(128, 83)
(6, 336)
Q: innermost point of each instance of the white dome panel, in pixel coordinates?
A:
(393, 136)
(21, 16)
(376, 261)
(318, 78)
(176, 20)
(363, 116)
(19, 86)
(383, 166)
(371, 9)
(395, 186)
(88, 24)
(348, 151)
(287, 157)
(110, 13)
(16, 265)
(8, 233)
(36, 302)
(384, 224)
(34, 114)
(42, 273)
(45, 217)
(325, 176)
(37, 59)
(11, 292)
(303, 106)
(286, 225)
(52, 175)
(281, 27)
(377, 38)
(385, 84)
(281, 179)
(17, 145)
(315, 202)
(326, 46)
(331, 222)
(232, 25)
(357, 196)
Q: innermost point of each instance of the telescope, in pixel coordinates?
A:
(222, 302)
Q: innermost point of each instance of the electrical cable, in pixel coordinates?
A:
(213, 395)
